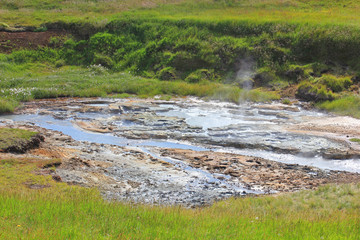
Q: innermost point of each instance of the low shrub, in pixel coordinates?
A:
(200, 75)
(3, 26)
(60, 63)
(103, 60)
(286, 101)
(264, 76)
(168, 73)
(336, 84)
(314, 92)
(295, 73)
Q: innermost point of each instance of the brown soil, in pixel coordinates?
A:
(10, 41)
(289, 92)
(54, 152)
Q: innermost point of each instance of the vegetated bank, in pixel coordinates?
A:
(321, 60)
(317, 61)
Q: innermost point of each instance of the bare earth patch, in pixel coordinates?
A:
(10, 41)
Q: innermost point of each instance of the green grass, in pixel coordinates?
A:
(28, 12)
(31, 82)
(61, 211)
(284, 42)
(357, 140)
(199, 41)
(272, 10)
(7, 105)
(347, 105)
(10, 136)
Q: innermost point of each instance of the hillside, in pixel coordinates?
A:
(310, 48)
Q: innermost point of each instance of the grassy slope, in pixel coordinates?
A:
(60, 211)
(314, 21)
(317, 12)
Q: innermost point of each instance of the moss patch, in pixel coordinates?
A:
(357, 140)
(12, 137)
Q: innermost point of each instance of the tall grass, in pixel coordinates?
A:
(347, 105)
(7, 105)
(61, 211)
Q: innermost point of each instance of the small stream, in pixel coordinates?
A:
(247, 129)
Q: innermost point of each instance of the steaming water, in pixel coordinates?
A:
(249, 124)
(222, 123)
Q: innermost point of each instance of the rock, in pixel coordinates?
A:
(57, 178)
(339, 154)
(283, 116)
(278, 107)
(267, 113)
(93, 127)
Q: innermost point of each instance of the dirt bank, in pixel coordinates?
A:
(22, 146)
(10, 41)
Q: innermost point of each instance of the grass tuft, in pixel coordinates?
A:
(357, 140)
(347, 105)
(7, 105)
(12, 136)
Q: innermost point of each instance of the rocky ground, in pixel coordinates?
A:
(264, 174)
(162, 175)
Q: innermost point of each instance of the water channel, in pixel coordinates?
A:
(249, 129)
